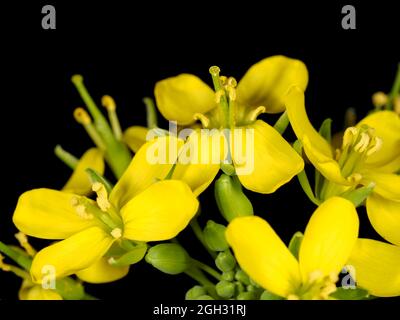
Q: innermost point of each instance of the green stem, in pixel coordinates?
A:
(194, 224)
(151, 113)
(282, 123)
(305, 185)
(395, 90)
(197, 275)
(21, 260)
(66, 157)
(212, 272)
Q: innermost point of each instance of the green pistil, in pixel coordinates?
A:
(223, 102)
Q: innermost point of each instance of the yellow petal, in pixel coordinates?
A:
(269, 163)
(199, 160)
(135, 137)
(329, 238)
(377, 267)
(387, 127)
(267, 81)
(180, 98)
(326, 165)
(387, 184)
(102, 272)
(384, 215)
(71, 255)
(150, 164)
(31, 291)
(296, 109)
(160, 212)
(79, 182)
(263, 256)
(48, 214)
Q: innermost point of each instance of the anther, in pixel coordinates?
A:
(223, 80)
(116, 233)
(232, 93)
(378, 142)
(108, 102)
(362, 145)
(354, 178)
(102, 196)
(218, 95)
(379, 99)
(4, 266)
(23, 241)
(255, 113)
(82, 117)
(203, 119)
(232, 82)
(348, 136)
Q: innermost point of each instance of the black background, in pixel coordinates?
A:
(122, 50)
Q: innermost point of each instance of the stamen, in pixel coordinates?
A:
(378, 142)
(4, 266)
(379, 99)
(111, 260)
(348, 136)
(338, 153)
(232, 82)
(232, 93)
(81, 116)
(255, 113)
(218, 95)
(362, 145)
(108, 102)
(223, 80)
(81, 209)
(116, 233)
(203, 119)
(102, 196)
(354, 178)
(23, 241)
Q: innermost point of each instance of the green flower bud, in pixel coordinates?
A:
(195, 292)
(225, 289)
(214, 236)
(231, 200)
(225, 261)
(251, 288)
(246, 296)
(241, 276)
(169, 258)
(228, 276)
(239, 286)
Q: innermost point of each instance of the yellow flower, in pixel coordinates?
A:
(328, 241)
(32, 291)
(79, 182)
(370, 153)
(186, 99)
(141, 207)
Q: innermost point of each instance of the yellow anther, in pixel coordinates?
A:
(232, 82)
(74, 201)
(232, 93)
(203, 119)
(223, 80)
(378, 142)
(214, 70)
(116, 233)
(4, 266)
(111, 260)
(82, 213)
(314, 276)
(102, 196)
(82, 116)
(348, 136)
(354, 178)
(108, 102)
(255, 113)
(362, 145)
(338, 153)
(218, 95)
(379, 99)
(23, 241)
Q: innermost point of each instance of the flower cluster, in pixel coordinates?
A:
(102, 225)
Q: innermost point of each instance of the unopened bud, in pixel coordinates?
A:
(225, 289)
(195, 292)
(225, 261)
(169, 258)
(214, 236)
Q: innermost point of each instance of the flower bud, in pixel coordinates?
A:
(228, 276)
(246, 296)
(195, 292)
(231, 200)
(225, 289)
(214, 236)
(225, 261)
(241, 276)
(169, 258)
